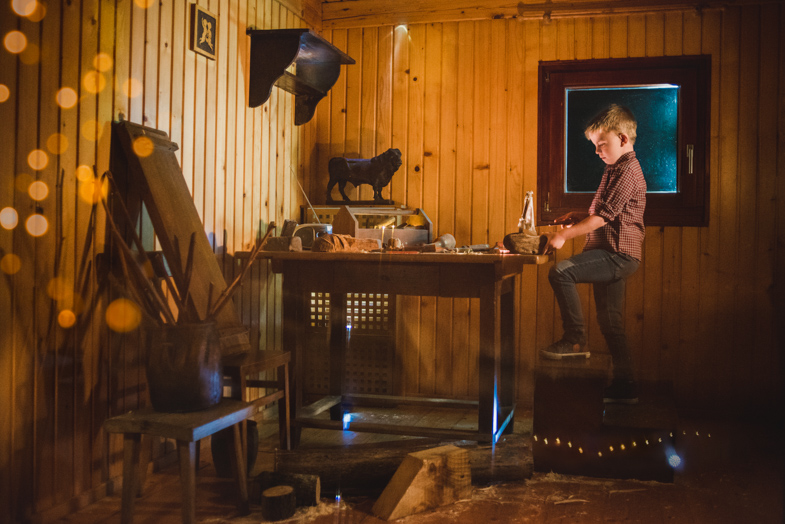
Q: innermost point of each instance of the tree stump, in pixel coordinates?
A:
(525, 244)
(278, 503)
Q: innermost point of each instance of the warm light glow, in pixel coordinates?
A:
(143, 147)
(57, 143)
(5, 93)
(38, 190)
(10, 264)
(102, 62)
(144, 4)
(94, 82)
(674, 460)
(66, 98)
(37, 159)
(39, 12)
(31, 54)
(92, 130)
(599, 453)
(9, 218)
(37, 225)
(622, 447)
(123, 316)
(23, 7)
(66, 319)
(580, 450)
(22, 182)
(60, 289)
(132, 87)
(84, 173)
(611, 448)
(93, 190)
(15, 42)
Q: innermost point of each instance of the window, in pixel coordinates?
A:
(670, 99)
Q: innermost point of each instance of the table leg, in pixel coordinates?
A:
(187, 454)
(239, 468)
(509, 337)
(338, 343)
(293, 320)
(132, 443)
(490, 353)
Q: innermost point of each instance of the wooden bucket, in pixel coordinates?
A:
(184, 368)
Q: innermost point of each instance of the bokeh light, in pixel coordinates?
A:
(60, 289)
(37, 225)
(132, 88)
(9, 218)
(92, 130)
(10, 264)
(123, 316)
(143, 146)
(84, 173)
(66, 319)
(38, 190)
(94, 82)
(5, 93)
(37, 159)
(23, 7)
(31, 54)
(39, 12)
(57, 143)
(66, 98)
(91, 191)
(144, 4)
(15, 42)
(103, 62)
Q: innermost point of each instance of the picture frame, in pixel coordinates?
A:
(204, 32)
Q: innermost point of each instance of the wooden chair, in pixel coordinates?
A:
(240, 372)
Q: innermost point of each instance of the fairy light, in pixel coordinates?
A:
(143, 147)
(10, 264)
(66, 97)
(103, 62)
(66, 318)
(38, 190)
(37, 159)
(57, 143)
(9, 218)
(37, 225)
(5, 93)
(23, 7)
(15, 42)
(94, 82)
(123, 316)
(84, 173)
(144, 4)
(132, 88)
(92, 130)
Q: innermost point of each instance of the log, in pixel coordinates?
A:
(278, 503)
(426, 480)
(307, 488)
(332, 242)
(289, 243)
(525, 244)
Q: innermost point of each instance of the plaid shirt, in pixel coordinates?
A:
(620, 200)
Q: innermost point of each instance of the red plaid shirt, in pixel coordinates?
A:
(620, 200)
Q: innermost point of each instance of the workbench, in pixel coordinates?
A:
(493, 278)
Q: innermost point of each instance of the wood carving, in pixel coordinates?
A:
(333, 243)
(377, 172)
(525, 244)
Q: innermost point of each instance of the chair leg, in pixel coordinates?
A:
(239, 460)
(132, 443)
(187, 455)
(284, 422)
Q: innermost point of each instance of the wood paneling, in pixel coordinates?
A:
(701, 309)
(124, 59)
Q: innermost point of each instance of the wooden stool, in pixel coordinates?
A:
(240, 367)
(186, 429)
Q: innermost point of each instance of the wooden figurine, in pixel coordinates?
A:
(377, 172)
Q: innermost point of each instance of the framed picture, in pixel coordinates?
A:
(204, 32)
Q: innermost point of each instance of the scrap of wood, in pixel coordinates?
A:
(425, 480)
(569, 501)
(333, 242)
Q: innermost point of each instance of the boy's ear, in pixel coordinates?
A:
(624, 139)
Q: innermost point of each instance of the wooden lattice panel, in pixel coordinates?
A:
(369, 359)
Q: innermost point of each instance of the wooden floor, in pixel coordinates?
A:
(732, 472)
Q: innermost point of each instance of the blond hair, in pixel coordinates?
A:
(615, 118)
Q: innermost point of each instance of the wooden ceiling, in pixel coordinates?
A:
(337, 14)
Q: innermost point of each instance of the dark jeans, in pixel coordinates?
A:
(608, 273)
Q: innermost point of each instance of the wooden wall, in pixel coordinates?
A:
(459, 98)
(122, 59)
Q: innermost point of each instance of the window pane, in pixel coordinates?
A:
(656, 110)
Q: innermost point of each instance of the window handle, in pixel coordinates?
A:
(690, 154)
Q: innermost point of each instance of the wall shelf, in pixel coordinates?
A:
(299, 62)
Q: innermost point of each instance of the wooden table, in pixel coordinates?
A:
(187, 429)
(491, 278)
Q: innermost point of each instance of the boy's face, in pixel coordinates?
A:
(610, 145)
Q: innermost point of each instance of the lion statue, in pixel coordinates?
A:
(377, 172)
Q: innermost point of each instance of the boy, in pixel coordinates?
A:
(614, 229)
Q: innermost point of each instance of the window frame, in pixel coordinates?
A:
(690, 205)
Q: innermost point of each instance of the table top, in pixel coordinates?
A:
(188, 427)
(401, 257)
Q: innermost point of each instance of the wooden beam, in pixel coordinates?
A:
(366, 13)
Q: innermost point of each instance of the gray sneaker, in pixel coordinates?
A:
(563, 349)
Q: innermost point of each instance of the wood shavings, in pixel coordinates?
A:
(570, 501)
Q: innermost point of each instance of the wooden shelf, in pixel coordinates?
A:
(297, 61)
